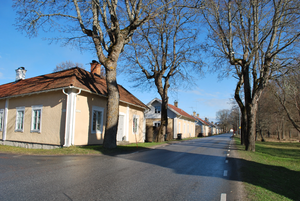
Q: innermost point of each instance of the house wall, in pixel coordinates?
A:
(52, 118)
(185, 127)
(84, 106)
(140, 136)
(198, 130)
(150, 123)
(152, 115)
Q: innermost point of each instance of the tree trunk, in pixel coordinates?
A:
(250, 108)
(163, 92)
(262, 137)
(164, 116)
(243, 127)
(112, 119)
(251, 128)
(282, 129)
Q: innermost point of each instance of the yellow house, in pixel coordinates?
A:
(179, 122)
(63, 109)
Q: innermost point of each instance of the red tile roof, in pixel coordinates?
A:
(180, 111)
(199, 119)
(76, 77)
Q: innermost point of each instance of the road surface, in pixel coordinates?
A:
(200, 169)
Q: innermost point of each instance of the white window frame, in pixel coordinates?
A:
(156, 123)
(98, 109)
(1, 119)
(137, 124)
(179, 125)
(34, 108)
(20, 109)
(157, 109)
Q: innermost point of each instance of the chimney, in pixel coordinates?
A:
(95, 67)
(194, 113)
(20, 73)
(197, 115)
(176, 103)
(212, 122)
(206, 119)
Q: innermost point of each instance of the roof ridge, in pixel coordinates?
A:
(76, 77)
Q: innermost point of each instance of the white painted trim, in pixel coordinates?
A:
(5, 120)
(144, 127)
(124, 125)
(137, 124)
(70, 116)
(2, 111)
(36, 107)
(127, 123)
(175, 128)
(101, 109)
(20, 109)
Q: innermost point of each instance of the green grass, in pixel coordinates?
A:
(272, 172)
(85, 150)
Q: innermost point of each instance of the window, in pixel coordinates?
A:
(97, 119)
(157, 109)
(183, 128)
(156, 124)
(179, 127)
(135, 124)
(36, 118)
(20, 119)
(1, 119)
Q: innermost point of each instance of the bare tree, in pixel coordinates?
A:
(164, 50)
(224, 119)
(257, 38)
(272, 119)
(105, 26)
(288, 94)
(67, 65)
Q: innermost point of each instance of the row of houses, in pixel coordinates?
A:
(179, 121)
(69, 108)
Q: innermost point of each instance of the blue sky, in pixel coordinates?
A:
(38, 57)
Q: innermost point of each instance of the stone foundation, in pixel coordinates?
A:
(29, 145)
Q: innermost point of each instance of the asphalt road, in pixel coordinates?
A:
(201, 169)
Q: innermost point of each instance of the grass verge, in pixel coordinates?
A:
(85, 150)
(272, 172)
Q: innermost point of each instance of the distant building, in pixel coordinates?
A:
(179, 122)
(202, 128)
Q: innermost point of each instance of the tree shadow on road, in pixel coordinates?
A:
(274, 178)
(277, 179)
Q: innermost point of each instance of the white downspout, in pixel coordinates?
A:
(144, 126)
(5, 120)
(127, 124)
(175, 128)
(70, 116)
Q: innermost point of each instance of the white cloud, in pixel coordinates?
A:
(1, 75)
